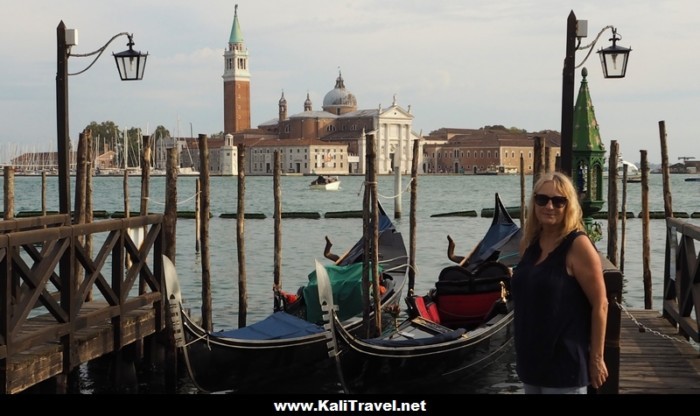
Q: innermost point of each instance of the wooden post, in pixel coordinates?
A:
(145, 173)
(646, 247)
(397, 190)
(240, 239)
(89, 172)
(89, 206)
(412, 219)
(79, 216)
(277, 189)
(172, 165)
(374, 247)
(197, 214)
(127, 207)
(623, 224)
(80, 194)
(125, 190)
(204, 230)
(668, 200)
(366, 218)
(538, 161)
(9, 192)
(9, 213)
(612, 201)
(145, 179)
(170, 215)
(522, 191)
(547, 162)
(43, 193)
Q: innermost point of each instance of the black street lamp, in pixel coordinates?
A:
(614, 58)
(614, 61)
(131, 65)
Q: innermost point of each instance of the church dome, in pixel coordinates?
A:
(339, 100)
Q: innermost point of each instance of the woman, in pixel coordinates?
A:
(559, 294)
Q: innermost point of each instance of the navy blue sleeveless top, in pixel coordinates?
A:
(552, 320)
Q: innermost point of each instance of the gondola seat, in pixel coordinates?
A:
(465, 299)
(465, 310)
(425, 307)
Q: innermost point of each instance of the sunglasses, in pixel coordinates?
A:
(557, 201)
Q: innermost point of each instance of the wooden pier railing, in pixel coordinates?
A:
(682, 277)
(61, 305)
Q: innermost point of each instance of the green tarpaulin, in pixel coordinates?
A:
(346, 282)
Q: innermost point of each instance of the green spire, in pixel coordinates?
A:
(236, 34)
(588, 152)
(586, 135)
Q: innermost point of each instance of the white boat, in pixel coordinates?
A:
(325, 183)
(187, 171)
(633, 172)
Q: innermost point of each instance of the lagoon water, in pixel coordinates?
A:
(303, 239)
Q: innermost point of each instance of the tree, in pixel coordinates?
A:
(161, 132)
(108, 136)
(104, 135)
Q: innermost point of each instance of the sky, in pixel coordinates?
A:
(456, 63)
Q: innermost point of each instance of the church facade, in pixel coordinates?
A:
(331, 140)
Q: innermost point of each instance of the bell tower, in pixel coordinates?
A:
(236, 81)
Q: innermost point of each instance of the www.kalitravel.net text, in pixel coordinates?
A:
(350, 405)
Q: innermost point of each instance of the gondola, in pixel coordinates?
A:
(290, 343)
(461, 326)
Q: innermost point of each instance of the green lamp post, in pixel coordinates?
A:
(588, 155)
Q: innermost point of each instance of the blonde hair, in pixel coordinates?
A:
(573, 215)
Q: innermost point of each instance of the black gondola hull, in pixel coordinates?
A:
(368, 368)
(217, 364)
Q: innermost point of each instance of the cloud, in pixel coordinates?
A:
(458, 64)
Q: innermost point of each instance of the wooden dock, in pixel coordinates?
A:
(50, 324)
(657, 360)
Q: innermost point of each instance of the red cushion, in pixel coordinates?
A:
(465, 310)
(427, 310)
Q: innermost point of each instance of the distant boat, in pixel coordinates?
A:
(633, 173)
(695, 179)
(187, 171)
(325, 183)
(496, 170)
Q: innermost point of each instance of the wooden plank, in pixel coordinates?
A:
(656, 360)
(33, 366)
(42, 362)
